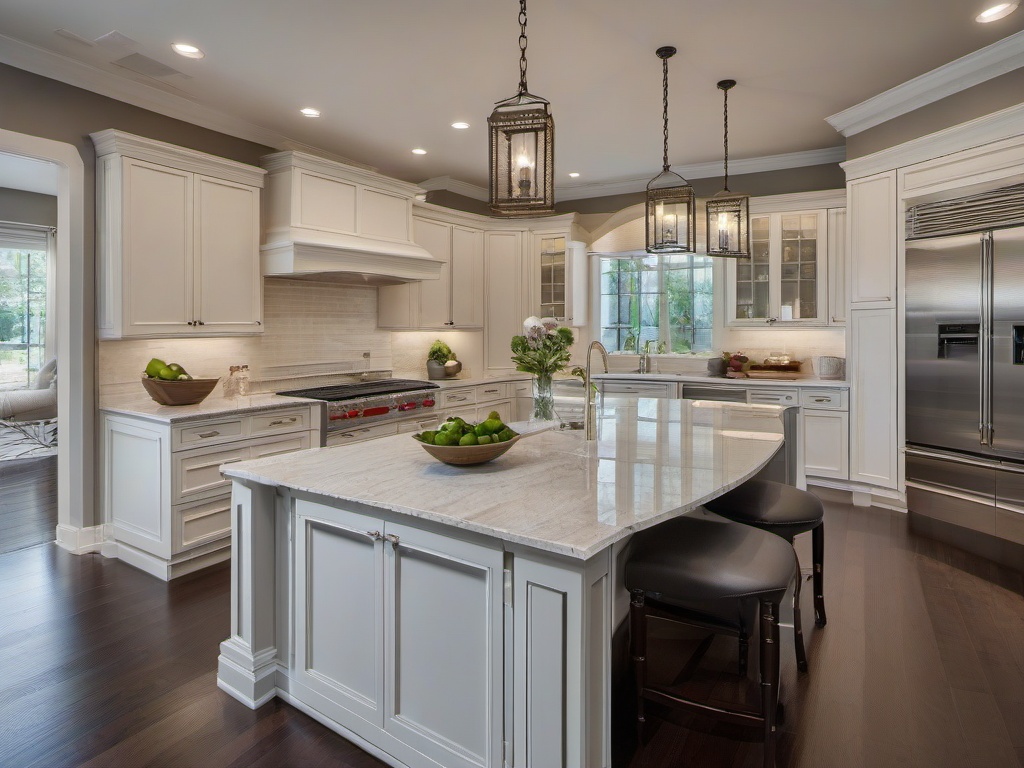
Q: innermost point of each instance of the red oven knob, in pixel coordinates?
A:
(428, 403)
(352, 414)
(376, 410)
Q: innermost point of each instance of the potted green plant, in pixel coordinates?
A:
(439, 354)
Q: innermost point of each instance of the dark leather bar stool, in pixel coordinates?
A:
(705, 571)
(787, 512)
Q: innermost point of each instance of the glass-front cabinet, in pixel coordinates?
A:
(552, 276)
(785, 279)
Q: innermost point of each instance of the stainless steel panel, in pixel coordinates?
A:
(943, 396)
(965, 512)
(1008, 311)
(977, 478)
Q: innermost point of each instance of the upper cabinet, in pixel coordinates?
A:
(177, 239)
(873, 238)
(452, 302)
(787, 280)
(558, 282)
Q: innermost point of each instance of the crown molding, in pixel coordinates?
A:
(1004, 124)
(448, 184)
(764, 164)
(46, 63)
(991, 61)
(285, 162)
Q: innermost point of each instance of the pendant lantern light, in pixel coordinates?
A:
(670, 201)
(522, 147)
(728, 214)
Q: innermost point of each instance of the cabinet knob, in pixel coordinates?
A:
(200, 322)
(191, 322)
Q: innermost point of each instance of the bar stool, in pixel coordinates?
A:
(787, 512)
(708, 572)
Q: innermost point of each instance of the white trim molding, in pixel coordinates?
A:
(448, 184)
(991, 61)
(81, 541)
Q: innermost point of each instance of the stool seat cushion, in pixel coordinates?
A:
(710, 566)
(782, 509)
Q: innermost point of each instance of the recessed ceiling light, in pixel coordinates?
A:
(573, 175)
(187, 50)
(996, 12)
(460, 126)
(310, 112)
(419, 151)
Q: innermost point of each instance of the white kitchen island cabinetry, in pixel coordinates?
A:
(441, 616)
(163, 496)
(177, 241)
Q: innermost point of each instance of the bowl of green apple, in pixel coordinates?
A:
(460, 443)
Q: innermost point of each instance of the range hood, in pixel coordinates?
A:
(329, 221)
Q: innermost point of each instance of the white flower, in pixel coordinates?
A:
(530, 323)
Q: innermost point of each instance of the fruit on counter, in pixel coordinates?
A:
(457, 431)
(158, 369)
(736, 362)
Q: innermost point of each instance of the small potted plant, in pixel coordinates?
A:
(439, 355)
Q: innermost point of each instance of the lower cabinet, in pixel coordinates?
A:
(164, 499)
(826, 443)
(375, 604)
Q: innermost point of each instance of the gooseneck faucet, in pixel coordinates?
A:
(589, 422)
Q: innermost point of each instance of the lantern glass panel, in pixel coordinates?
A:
(727, 220)
(670, 219)
(522, 159)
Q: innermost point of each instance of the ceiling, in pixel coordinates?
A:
(391, 75)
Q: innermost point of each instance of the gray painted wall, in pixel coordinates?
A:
(983, 99)
(27, 207)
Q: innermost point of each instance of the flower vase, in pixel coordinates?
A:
(543, 399)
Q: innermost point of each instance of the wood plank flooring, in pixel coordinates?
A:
(28, 502)
(921, 664)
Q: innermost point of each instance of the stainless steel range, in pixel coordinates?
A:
(367, 403)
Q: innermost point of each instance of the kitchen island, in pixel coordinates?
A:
(463, 616)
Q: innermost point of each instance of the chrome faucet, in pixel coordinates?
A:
(589, 422)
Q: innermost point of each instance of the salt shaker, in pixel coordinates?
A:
(243, 381)
(231, 382)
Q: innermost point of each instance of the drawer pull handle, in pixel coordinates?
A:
(214, 433)
(375, 535)
(490, 391)
(457, 399)
(822, 399)
(279, 422)
(393, 539)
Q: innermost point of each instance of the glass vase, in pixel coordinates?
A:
(543, 399)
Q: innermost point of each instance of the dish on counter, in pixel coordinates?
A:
(179, 392)
(467, 455)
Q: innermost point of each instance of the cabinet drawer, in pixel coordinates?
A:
(354, 435)
(522, 388)
(823, 398)
(773, 396)
(284, 444)
(198, 524)
(642, 389)
(487, 392)
(209, 433)
(417, 425)
(457, 397)
(273, 422)
(198, 472)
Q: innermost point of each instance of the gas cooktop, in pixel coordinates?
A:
(361, 389)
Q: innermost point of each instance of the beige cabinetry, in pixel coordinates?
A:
(826, 433)
(452, 302)
(838, 300)
(505, 300)
(873, 382)
(177, 241)
(874, 234)
(164, 499)
(557, 276)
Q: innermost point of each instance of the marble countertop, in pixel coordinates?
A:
(212, 406)
(554, 490)
(703, 378)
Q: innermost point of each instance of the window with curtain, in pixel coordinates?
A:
(25, 279)
(666, 300)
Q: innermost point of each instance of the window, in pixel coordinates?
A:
(666, 300)
(24, 280)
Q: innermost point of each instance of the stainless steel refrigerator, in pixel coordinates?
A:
(965, 380)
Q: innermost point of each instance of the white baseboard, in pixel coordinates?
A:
(861, 495)
(167, 569)
(81, 541)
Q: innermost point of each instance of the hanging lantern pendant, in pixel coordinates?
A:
(728, 214)
(522, 147)
(670, 204)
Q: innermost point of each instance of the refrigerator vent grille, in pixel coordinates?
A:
(976, 213)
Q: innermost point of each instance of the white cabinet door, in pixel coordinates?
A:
(444, 688)
(229, 288)
(339, 621)
(503, 309)
(837, 299)
(826, 440)
(873, 427)
(435, 310)
(156, 250)
(467, 278)
(873, 232)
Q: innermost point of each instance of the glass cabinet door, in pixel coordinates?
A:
(799, 267)
(552, 277)
(753, 296)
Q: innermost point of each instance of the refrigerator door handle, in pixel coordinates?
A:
(985, 343)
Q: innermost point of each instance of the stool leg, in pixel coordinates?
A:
(798, 629)
(818, 574)
(638, 650)
(744, 653)
(769, 676)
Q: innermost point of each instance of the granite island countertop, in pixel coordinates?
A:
(653, 459)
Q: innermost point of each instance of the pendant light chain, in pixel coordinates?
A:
(664, 111)
(725, 136)
(522, 46)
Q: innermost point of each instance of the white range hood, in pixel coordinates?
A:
(325, 220)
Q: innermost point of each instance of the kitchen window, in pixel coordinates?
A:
(25, 279)
(667, 300)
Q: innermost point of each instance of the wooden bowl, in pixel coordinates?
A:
(179, 392)
(464, 455)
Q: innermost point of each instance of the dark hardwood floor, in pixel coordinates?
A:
(921, 664)
(28, 502)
